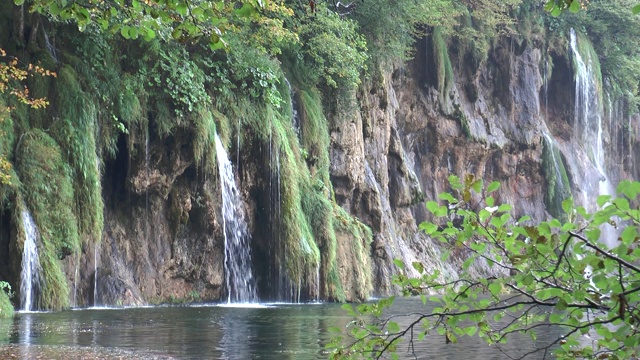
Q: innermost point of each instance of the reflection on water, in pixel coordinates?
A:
(277, 331)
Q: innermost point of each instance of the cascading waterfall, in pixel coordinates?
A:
(30, 274)
(587, 130)
(239, 279)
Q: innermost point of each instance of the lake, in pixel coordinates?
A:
(270, 331)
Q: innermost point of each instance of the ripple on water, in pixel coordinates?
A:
(59, 352)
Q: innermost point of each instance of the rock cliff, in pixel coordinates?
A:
(331, 197)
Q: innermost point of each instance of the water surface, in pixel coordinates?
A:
(275, 331)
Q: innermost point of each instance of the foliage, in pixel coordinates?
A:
(332, 48)
(391, 27)
(76, 131)
(12, 78)
(444, 71)
(182, 20)
(557, 274)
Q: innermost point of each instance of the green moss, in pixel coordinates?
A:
(361, 238)
(54, 291)
(444, 70)
(555, 173)
(300, 247)
(315, 135)
(204, 150)
(75, 131)
(130, 108)
(319, 210)
(48, 190)
(6, 308)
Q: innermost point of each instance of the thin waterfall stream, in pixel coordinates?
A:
(30, 274)
(241, 287)
(95, 275)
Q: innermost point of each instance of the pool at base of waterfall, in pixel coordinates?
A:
(210, 331)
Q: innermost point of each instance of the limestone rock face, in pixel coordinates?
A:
(392, 148)
(492, 126)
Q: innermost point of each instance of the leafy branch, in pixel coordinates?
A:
(552, 274)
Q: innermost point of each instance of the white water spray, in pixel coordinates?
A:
(237, 254)
(30, 274)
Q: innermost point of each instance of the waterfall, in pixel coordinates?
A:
(95, 275)
(75, 283)
(30, 274)
(50, 48)
(237, 254)
(295, 117)
(277, 248)
(318, 282)
(587, 129)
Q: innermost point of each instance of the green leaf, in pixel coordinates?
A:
(555, 318)
(399, 263)
(603, 199)
(246, 10)
(428, 228)
(18, 2)
(124, 31)
(593, 234)
(471, 330)
(133, 33)
(493, 186)
(182, 8)
(149, 34)
(567, 205)
(495, 288)
(561, 304)
(441, 211)
(447, 197)
(455, 183)
(477, 185)
(575, 6)
(432, 206)
(636, 10)
(393, 327)
(628, 235)
(490, 201)
(54, 9)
